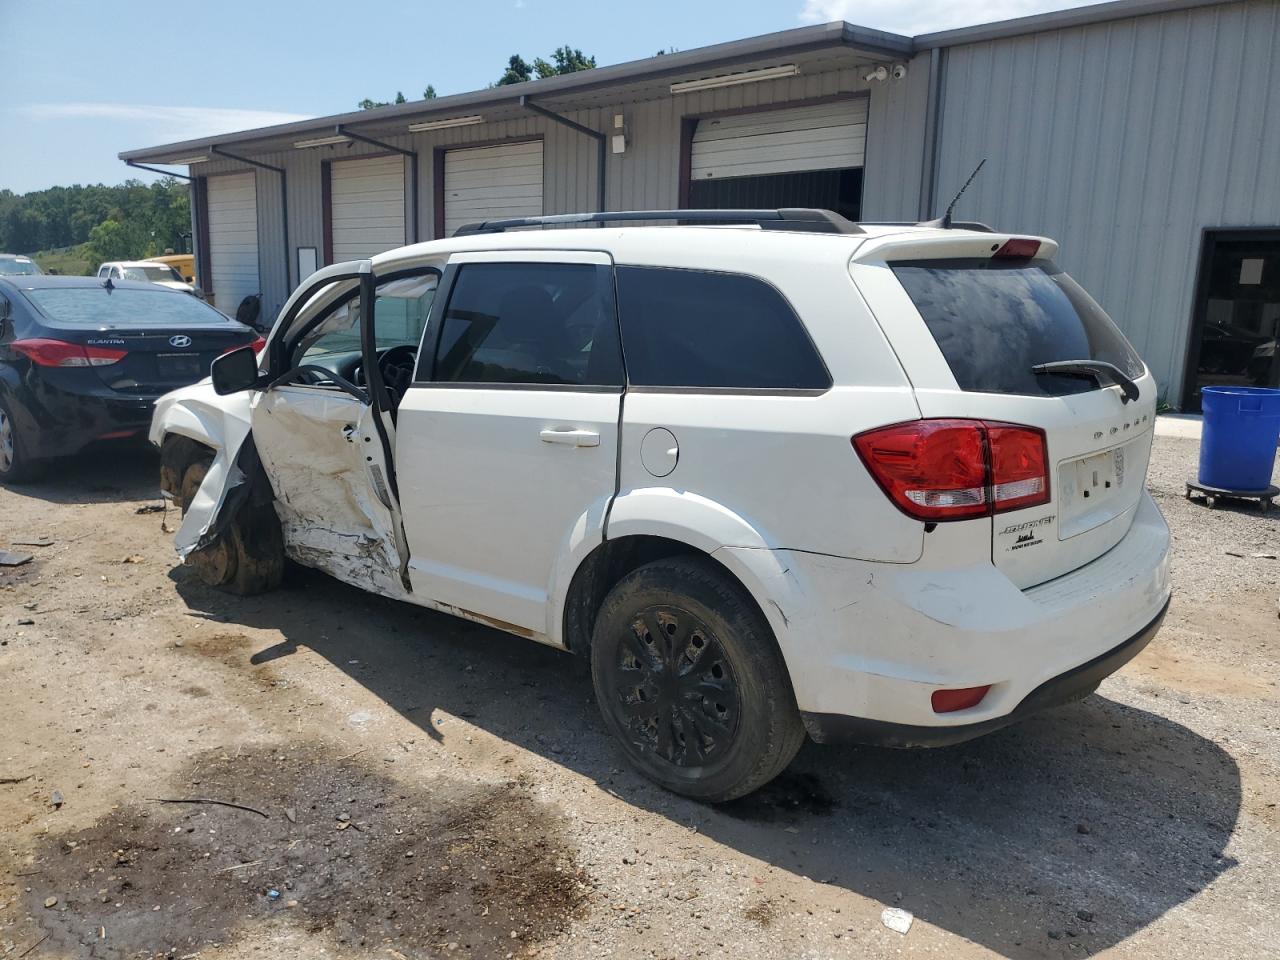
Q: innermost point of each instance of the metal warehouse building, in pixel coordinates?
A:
(1144, 135)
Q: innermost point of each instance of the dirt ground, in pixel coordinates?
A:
(419, 786)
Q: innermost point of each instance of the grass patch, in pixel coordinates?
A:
(77, 261)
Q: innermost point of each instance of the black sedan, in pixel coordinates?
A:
(84, 360)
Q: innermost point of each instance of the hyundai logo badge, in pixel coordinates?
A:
(181, 340)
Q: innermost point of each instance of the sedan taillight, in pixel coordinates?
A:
(957, 469)
(60, 353)
(257, 343)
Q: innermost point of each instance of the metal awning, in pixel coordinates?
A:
(809, 48)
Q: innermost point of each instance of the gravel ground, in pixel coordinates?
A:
(433, 788)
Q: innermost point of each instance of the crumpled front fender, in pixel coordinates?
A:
(220, 423)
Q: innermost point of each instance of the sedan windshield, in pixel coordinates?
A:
(99, 307)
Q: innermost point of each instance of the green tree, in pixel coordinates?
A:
(517, 71)
(109, 241)
(566, 60)
(429, 93)
(367, 104)
(145, 218)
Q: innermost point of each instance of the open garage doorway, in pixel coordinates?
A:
(802, 156)
(1236, 321)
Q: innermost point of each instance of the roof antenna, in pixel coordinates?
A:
(945, 221)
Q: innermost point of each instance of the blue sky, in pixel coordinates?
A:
(84, 80)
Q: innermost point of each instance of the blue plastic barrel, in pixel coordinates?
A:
(1241, 430)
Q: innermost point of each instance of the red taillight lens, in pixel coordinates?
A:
(258, 343)
(1019, 466)
(932, 469)
(949, 701)
(59, 353)
(957, 469)
(1018, 248)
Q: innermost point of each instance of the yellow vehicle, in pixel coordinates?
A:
(184, 263)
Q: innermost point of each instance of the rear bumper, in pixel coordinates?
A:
(867, 644)
(1073, 685)
(60, 419)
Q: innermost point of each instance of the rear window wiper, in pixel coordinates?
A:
(1097, 370)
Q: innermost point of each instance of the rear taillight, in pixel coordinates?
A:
(1019, 466)
(957, 469)
(257, 343)
(59, 353)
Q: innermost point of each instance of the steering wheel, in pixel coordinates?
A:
(396, 367)
(312, 374)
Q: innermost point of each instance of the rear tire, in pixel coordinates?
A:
(691, 681)
(15, 465)
(247, 558)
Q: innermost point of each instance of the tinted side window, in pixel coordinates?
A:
(550, 323)
(692, 328)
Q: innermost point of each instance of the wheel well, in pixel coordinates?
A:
(609, 563)
(176, 454)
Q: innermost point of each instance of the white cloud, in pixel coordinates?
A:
(164, 123)
(912, 17)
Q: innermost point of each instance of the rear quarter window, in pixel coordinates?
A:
(699, 329)
(995, 319)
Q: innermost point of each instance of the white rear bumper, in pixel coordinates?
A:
(874, 640)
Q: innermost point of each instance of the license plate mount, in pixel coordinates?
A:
(175, 366)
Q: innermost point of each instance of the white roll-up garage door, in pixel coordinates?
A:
(233, 239)
(366, 207)
(483, 183)
(828, 136)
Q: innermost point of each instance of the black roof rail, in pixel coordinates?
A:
(954, 225)
(799, 219)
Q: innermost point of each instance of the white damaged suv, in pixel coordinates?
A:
(790, 475)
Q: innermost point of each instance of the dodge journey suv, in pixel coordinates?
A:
(777, 475)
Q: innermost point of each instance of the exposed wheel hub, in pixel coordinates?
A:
(675, 689)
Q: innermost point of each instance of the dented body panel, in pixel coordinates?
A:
(219, 423)
(329, 476)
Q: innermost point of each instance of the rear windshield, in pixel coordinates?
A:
(996, 319)
(97, 306)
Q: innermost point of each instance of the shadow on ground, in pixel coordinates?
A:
(1065, 834)
(106, 472)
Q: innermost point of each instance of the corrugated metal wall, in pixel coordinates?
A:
(1123, 141)
(647, 176)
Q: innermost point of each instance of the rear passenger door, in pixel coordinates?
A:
(507, 442)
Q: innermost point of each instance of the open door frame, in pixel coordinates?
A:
(1210, 237)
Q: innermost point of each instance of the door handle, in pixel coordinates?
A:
(572, 438)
